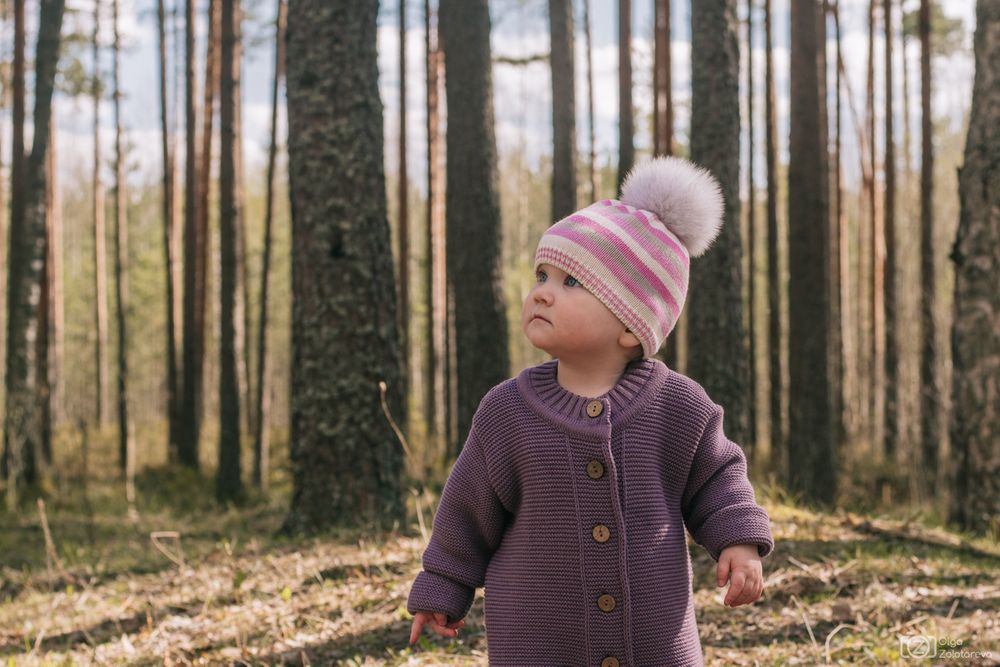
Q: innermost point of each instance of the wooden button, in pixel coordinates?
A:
(601, 533)
(609, 662)
(595, 469)
(595, 408)
(606, 603)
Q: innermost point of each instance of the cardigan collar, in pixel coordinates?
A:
(639, 383)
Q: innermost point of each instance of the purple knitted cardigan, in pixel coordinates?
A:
(579, 569)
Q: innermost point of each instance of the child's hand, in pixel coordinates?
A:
(747, 581)
(436, 622)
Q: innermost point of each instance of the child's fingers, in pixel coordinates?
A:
(735, 587)
(440, 626)
(418, 623)
(751, 591)
(722, 569)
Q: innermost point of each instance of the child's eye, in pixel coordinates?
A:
(541, 277)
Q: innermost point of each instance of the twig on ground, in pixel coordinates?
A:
(420, 514)
(392, 422)
(805, 619)
(913, 621)
(826, 644)
(178, 558)
(51, 555)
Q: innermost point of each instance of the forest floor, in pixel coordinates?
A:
(840, 588)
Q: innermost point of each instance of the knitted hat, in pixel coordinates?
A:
(634, 254)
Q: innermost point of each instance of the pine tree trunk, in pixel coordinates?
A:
(975, 346)
(436, 405)
(45, 307)
(931, 399)
(812, 460)
(208, 299)
(5, 102)
(262, 424)
(472, 207)
(751, 444)
(877, 256)
(592, 159)
(776, 370)
(563, 109)
(194, 267)
(663, 126)
(22, 430)
(715, 299)
(626, 131)
(891, 353)
(403, 221)
(663, 104)
(344, 334)
(100, 251)
(228, 485)
(843, 282)
(126, 441)
(170, 247)
(57, 302)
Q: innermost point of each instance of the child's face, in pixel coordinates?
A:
(575, 323)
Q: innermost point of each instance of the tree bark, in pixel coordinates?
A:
(403, 222)
(228, 485)
(22, 428)
(592, 159)
(715, 298)
(100, 250)
(891, 353)
(626, 131)
(126, 440)
(751, 245)
(194, 267)
(975, 346)
(262, 424)
(472, 207)
(170, 247)
(663, 103)
(811, 454)
(346, 461)
(776, 360)
(663, 129)
(931, 399)
(437, 405)
(45, 310)
(563, 109)
(877, 257)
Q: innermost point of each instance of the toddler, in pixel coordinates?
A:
(577, 479)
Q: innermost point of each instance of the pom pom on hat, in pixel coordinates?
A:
(685, 197)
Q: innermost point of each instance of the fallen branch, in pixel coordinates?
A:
(906, 531)
(177, 559)
(805, 619)
(51, 555)
(826, 644)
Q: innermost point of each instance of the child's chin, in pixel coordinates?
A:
(538, 345)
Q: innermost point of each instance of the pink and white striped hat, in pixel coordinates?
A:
(634, 254)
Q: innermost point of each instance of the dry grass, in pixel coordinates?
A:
(838, 591)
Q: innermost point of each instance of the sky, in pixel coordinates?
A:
(522, 94)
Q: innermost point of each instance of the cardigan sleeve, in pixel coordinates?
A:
(467, 529)
(719, 505)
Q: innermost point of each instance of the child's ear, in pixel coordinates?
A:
(629, 340)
